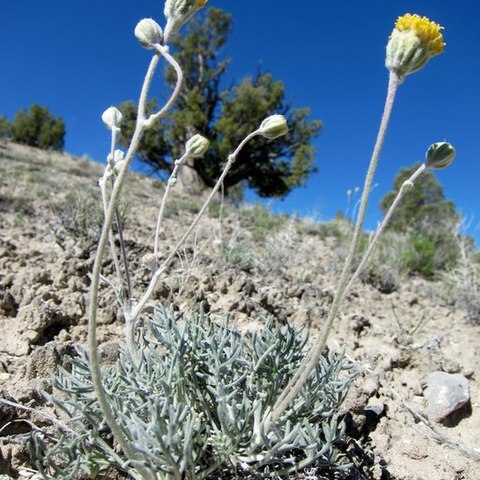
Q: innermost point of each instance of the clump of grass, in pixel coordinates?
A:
(261, 221)
(239, 254)
(79, 215)
(387, 267)
(462, 283)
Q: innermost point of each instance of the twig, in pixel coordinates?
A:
(39, 412)
(439, 437)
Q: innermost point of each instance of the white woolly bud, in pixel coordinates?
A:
(148, 33)
(112, 118)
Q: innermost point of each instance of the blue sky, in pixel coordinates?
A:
(78, 58)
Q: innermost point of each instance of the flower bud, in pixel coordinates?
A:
(412, 43)
(112, 118)
(148, 33)
(118, 155)
(274, 126)
(439, 155)
(178, 12)
(196, 146)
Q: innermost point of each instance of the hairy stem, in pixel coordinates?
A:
(295, 385)
(153, 282)
(406, 185)
(128, 281)
(140, 126)
(163, 203)
(111, 238)
(105, 200)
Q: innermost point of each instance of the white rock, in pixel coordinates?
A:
(445, 393)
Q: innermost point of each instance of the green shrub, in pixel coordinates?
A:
(430, 220)
(38, 128)
(420, 256)
(239, 255)
(195, 406)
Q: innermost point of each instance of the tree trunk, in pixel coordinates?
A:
(189, 180)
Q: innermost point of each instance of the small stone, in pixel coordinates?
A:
(451, 366)
(445, 394)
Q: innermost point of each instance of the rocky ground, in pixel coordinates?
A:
(242, 262)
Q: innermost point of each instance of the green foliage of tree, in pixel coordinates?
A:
(5, 128)
(423, 208)
(429, 218)
(271, 169)
(38, 128)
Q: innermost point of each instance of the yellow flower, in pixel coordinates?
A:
(202, 3)
(428, 32)
(412, 43)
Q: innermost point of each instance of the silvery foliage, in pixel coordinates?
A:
(194, 406)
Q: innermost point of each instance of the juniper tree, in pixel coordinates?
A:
(38, 128)
(5, 127)
(225, 117)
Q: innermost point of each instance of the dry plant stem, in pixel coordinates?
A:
(103, 189)
(295, 385)
(52, 419)
(124, 254)
(231, 159)
(406, 185)
(111, 239)
(119, 225)
(140, 126)
(163, 203)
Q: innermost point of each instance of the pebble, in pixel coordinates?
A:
(445, 393)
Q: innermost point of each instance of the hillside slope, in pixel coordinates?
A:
(242, 262)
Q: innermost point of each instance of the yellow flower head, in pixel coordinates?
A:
(427, 31)
(413, 42)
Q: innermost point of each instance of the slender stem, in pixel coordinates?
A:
(311, 359)
(115, 131)
(178, 70)
(103, 189)
(153, 282)
(118, 221)
(111, 238)
(163, 203)
(406, 185)
(140, 126)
